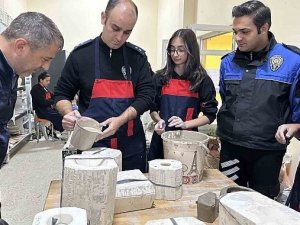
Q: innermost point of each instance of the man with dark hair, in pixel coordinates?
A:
(28, 44)
(114, 82)
(43, 102)
(258, 87)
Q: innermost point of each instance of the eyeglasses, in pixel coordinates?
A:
(179, 51)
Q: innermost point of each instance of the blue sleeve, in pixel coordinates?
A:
(295, 99)
(221, 82)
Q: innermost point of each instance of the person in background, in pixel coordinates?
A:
(260, 91)
(28, 44)
(183, 90)
(43, 102)
(284, 133)
(114, 83)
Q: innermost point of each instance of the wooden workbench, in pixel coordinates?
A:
(213, 180)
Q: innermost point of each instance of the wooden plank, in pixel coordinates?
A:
(53, 196)
(213, 180)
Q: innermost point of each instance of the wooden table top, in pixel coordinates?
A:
(213, 181)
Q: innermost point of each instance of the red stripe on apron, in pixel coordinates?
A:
(114, 143)
(189, 114)
(112, 89)
(178, 88)
(130, 128)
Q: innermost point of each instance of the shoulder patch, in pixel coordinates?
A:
(228, 54)
(83, 44)
(136, 48)
(292, 48)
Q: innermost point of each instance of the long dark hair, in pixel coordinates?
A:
(194, 71)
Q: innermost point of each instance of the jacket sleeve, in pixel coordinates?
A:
(38, 94)
(209, 104)
(295, 99)
(157, 83)
(221, 82)
(144, 90)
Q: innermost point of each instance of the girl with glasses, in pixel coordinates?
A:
(183, 90)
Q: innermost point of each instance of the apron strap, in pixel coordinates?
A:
(127, 67)
(97, 58)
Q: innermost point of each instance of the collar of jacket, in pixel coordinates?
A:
(244, 59)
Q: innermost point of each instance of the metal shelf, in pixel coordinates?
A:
(20, 118)
(20, 115)
(21, 88)
(20, 143)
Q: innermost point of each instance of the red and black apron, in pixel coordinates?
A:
(176, 100)
(110, 98)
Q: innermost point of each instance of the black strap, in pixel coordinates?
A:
(173, 221)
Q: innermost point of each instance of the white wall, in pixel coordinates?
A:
(80, 20)
(285, 16)
(14, 7)
(170, 18)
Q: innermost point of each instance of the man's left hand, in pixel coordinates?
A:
(113, 124)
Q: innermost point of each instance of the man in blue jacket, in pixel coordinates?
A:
(260, 91)
(29, 43)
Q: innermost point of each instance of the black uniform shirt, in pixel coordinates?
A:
(79, 74)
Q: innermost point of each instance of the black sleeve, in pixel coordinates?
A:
(157, 82)
(144, 90)
(209, 104)
(38, 96)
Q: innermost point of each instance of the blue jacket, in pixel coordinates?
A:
(259, 93)
(8, 96)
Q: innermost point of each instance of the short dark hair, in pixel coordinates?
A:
(43, 76)
(39, 30)
(113, 3)
(260, 13)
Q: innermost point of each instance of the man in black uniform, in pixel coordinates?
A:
(114, 82)
(23, 51)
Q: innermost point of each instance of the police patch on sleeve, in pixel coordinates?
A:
(275, 62)
(82, 44)
(136, 48)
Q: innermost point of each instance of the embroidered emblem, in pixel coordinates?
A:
(123, 70)
(275, 62)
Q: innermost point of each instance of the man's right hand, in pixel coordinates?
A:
(69, 120)
(160, 127)
(286, 131)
